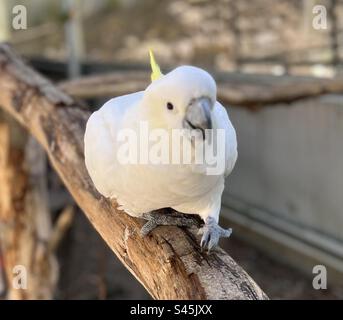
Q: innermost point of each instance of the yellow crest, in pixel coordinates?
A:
(155, 69)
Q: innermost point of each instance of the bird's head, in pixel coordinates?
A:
(183, 98)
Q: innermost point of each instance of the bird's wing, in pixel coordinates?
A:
(222, 121)
(101, 141)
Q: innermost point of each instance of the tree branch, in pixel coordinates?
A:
(169, 263)
(25, 221)
(244, 90)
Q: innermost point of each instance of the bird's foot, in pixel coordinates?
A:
(156, 218)
(211, 232)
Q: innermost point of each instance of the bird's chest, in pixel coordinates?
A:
(162, 185)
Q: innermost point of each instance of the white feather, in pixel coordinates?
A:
(140, 188)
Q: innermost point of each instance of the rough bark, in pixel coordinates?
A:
(251, 91)
(24, 216)
(169, 262)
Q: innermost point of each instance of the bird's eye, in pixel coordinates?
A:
(170, 106)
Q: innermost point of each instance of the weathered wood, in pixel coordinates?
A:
(74, 36)
(169, 262)
(235, 89)
(24, 216)
(63, 223)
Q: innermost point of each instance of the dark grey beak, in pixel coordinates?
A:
(198, 115)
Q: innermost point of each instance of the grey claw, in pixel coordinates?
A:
(211, 233)
(226, 233)
(213, 241)
(156, 218)
(147, 228)
(204, 239)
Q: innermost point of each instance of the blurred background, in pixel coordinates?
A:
(279, 68)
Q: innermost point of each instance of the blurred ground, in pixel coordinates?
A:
(89, 270)
(277, 280)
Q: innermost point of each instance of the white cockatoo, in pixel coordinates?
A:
(185, 100)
